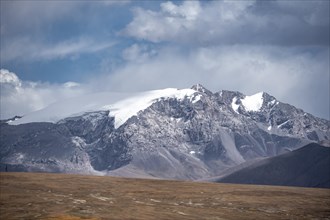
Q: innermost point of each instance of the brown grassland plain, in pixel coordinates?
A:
(63, 196)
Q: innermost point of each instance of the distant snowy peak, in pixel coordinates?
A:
(200, 88)
(125, 109)
(121, 106)
(253, 103)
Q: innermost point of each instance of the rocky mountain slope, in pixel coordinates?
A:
(177, 134)
(308, 167)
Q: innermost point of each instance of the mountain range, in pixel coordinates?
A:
(172, 133)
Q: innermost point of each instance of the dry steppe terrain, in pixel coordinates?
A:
(63, 196)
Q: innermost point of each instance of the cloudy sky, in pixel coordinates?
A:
(51, 50)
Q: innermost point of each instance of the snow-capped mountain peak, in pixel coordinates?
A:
(122, 106)
(125, 109)
(200, 88)
(254, 102)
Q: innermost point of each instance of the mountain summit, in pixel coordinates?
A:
(170, 133)
(200, 88)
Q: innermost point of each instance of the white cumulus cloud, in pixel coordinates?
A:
(7, 77)
(19, 97)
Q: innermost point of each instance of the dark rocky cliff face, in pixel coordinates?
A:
(179, 139)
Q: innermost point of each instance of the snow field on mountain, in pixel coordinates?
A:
(129, 107)
(234, 105)
(122, 106)
(253, 102)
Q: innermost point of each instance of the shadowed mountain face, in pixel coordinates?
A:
(308, 167)
(189, 134)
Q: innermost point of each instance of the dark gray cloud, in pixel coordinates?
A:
(287, 23)
(30, 17)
